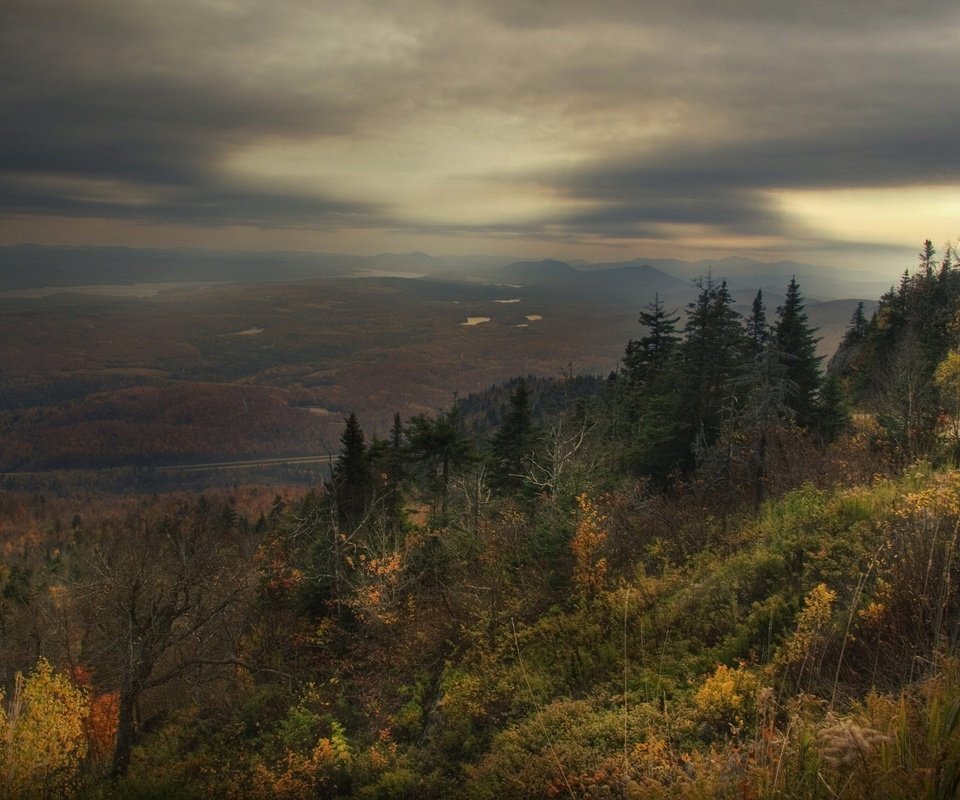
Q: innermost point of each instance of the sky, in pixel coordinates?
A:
(825, 131)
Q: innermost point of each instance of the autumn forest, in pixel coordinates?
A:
(726, 569)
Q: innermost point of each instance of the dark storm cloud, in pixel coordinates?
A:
(195, 206)
(871, 106)
(649, 114)
(93, 92)
(816, 14)
(644, 212)
(726, 186)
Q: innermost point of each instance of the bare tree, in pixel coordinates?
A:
(562, 463)
(161, 600)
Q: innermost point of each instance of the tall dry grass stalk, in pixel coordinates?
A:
(537, 706)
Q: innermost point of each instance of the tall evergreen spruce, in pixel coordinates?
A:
(891, 364)
(685, 406)
(396, 434)
(798, 349)
(845, 358)
(439, 446)
(713, 354)
(386, 459)
(513, 443)
(858, 325)
(639, 388)
(927, 259)
(834, 416)
(757, 330)
(644, 358)
(394, 456)
(351, 476)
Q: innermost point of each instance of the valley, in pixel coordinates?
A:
(159, 374)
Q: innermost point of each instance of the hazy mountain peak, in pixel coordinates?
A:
(546, 271)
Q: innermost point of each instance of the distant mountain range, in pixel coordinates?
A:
(30, 266)
(818, 282)
(618, 282)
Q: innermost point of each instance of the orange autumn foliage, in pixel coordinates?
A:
(590, 566)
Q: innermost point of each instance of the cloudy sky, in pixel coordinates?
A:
(823, 130)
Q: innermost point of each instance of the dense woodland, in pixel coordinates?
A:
(727, 570)
(251, 370)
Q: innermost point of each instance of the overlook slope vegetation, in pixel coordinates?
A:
(722, 571)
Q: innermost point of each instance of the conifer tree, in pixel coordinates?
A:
(395, 463)
(387, 467)
(833, 416)
(713, 353)
(847, 355)
(439, 446)
(645, 360)
(396, 434)
(684, 406)
(755, 411)
(798, 348)
(891, 366)
(513, 443)
(645, 357)
(927, 258)
(387, 457)
(757, 331)
(858, 325)
(351, 476)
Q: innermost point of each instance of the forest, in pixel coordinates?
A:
(728, 569)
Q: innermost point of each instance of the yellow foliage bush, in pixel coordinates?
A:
(42, 736)
(727, 699)
(298, 776)
(812, 623)
(590, 568)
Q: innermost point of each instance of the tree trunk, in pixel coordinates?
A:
(445, 479)
(125, 729)
(761, 472)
